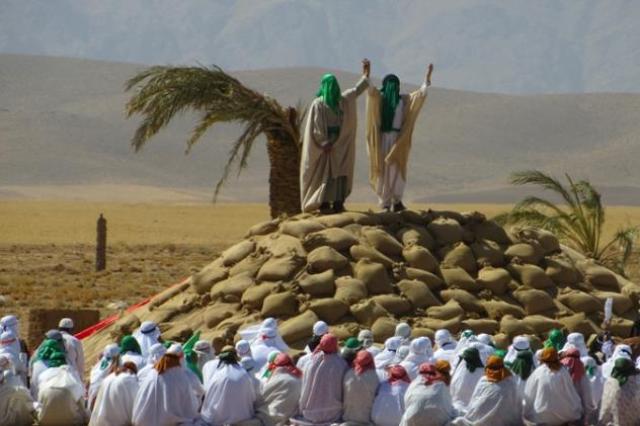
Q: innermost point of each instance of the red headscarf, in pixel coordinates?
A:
(550, 357)
(397, 374)
(285, 362)
(430, 374)
(571, 359)
(363, 362)
(328, 344)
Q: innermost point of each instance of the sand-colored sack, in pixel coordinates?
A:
(451, 309)
(219, 312)
(382, 241)
(541, 324)
(168, 294)
(460, 256)
(494, 279)
(263, 228)
(579, 323)
(513, 327)
(364, 219)
(374, 276)
(481, 325)
(336, 238)
(345, 330)
(621, 303)
(599, 276)
(254, 296)
(545, 239)
(280, 305)
(202, 281)
(454, 325)
(459, 278)
(324, 258)
(432, 281)
(496, 309)
(416, 235)
(367, 312)
(299, 327)
(393, 303)
(237, 252)
(531, 276)
(418, 294)
(534, 301)
(337, 220)
(580, 301)
(249, 265)
(490, 230)
(278, 245)
(329, 309)
(235, 285)
(420, 258)
(280, 268)
(468, 301)
(446, 231)
(300, 228)
(526, 252)
(362, 251)
(621, 327)
(350, 290)
(422, 332)
(318, 285)
(383, 328)
(561, 271)
(487, 251)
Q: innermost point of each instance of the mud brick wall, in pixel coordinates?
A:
(42, 320)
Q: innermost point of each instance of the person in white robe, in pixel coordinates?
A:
(446, 346)
(280, 393)
(366, 338)
(156, 352)
(73, 346)
(420, 352)
(495, 400)
(265, 372)
(427, 400)
(322, 378)
(147, 335)
(576, 340)
(328, 145)
(47, 356)
(114, 402)
(8, 341)
(550, 398)
(359, 390)
(621, 396)
(619, 351)
(249, 366)
(230, 396)
(130, 351)
(204, 352)
(60, 395)
(465, 377)
(320, 328)
(165, 396)
(403, 330)
(388, 405)
(594, 373)
(391, 118)
(11, 323)
(387, 356)
(16, 405)
(520, 362)
(268, 340)
(109, 360)
(570, 359)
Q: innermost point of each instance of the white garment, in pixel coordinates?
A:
(359, 392)
(96, 377)
(388, 405)
(280, 396)
(230, 396)
(420, 352)
(75, 353)
(139, 360)
(321, 394)
(16, 404)
(165, 400)
(550, 397)
(597, 387)
(445, 354)
(493, 404)
(620, 351)
(17, 366)
(60, 395)
(427, 405)
(463, 383)
(261, 348)
(146, 340)
(620, 403)
(114, 402)
(208, 371)
(303, 361)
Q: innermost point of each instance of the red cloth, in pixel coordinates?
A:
(571, 359)
(363, 362)
(284, 361)
(430, 374)
(397, 373)
(328, 344)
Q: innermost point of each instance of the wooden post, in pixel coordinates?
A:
(101, 244)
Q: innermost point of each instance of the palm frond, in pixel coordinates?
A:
(536, 177)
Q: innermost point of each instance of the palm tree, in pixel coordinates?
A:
(579, 222)
(162, 92)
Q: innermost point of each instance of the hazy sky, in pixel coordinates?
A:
(510, 46)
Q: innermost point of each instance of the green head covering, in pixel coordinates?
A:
(330, 92)
(52, 353)
(352, 343)
(622, 369)
(390, 93)
(555, 340)
(129, 344)
(500, 353)
(523, 364)
(190, 356)
(472, 358)
(466, 334)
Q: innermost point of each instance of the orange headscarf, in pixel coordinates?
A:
(166, 362)
(494, 370)
(550, 357)
(444, 368)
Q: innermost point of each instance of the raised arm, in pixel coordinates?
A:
(427, 80)
(363, 83)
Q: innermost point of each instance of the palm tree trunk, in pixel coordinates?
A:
(284, 176)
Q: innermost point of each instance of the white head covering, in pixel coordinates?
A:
(204, 346)
(155, 353)
(403, 330)
(270, 323)
(520, 343)
(421, 351)
(401, 353)
(269, 329)
(111, 350)
(243, 348)
(366, 338)
(576, 340)
(66, 323)
(442, 337)
(175, 349)
(7, 344)
(147, 335)
(622, 351)
(485, 338)
(320, 328)
(388, 354)
(247, 363)
(10, 322)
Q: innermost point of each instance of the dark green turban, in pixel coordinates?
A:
(129, 344)
(330, 92)
(390, 92)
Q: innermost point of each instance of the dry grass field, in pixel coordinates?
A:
(47, 249)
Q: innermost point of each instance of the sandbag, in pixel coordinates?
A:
(460, 256)
(278, 245)
(218, 312)
(249, 265)
(237, 252)
(496, 309)
(632, 291)
(531, 276)
(513, 327)
(481, 325)
(454, 325)
(393, 303)
(337, 220)
(280, 305)
(621, 327)
(280, 268)
(299, 327)
(420, 258)
(490, 230)
(432, 281)
(561, 271)
(318, 285)
(374, 276)
(580, 301)
(494, 279)
(382, 241)
(235, 285)
(446, 231)
(546, 240)
(366, 219)
(336, 238)
(526, 252)
(468, 301)
(487, 252)
(416, 235)
(361, 251)
(459, 278)
(350, 290)
(254, 296)
(345, 330)
(422, 332)
(418, 294)
(621, 303)
(534, 301)
(168, 294)
(599, 276)
(263, 228)
(383, 328)
(214, 272)
(412, 217)
(451, 309)
(324, 258)
(541, 324)
(329, 309)
(300, 228)
(579, 323)
(367, 312)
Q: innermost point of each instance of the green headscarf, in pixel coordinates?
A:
(555, 340)
(129, 344)
(523, 364)
(52, 353)
(472, 358)
(622, 369)
(330, 92)
(390, 92)
(500, 353)
(270, 359)
(352, 343)
(190, 356)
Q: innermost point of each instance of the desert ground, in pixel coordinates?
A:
(47, 248)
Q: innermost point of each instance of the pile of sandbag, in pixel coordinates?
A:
(432, 269)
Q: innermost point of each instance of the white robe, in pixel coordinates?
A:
(280, 396)
(427, 405)
(493, 404)
(60, 395)
(413, 362)
(16, 405)
(321, 395)
(550, 397)
(75, 353)
(146, 340)
(620, 404)
(359, 392)
(261, 348)
(230, 397)
(165, 400)
(463, 383)
(388, 407)
(114, 402)
(208, 371)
